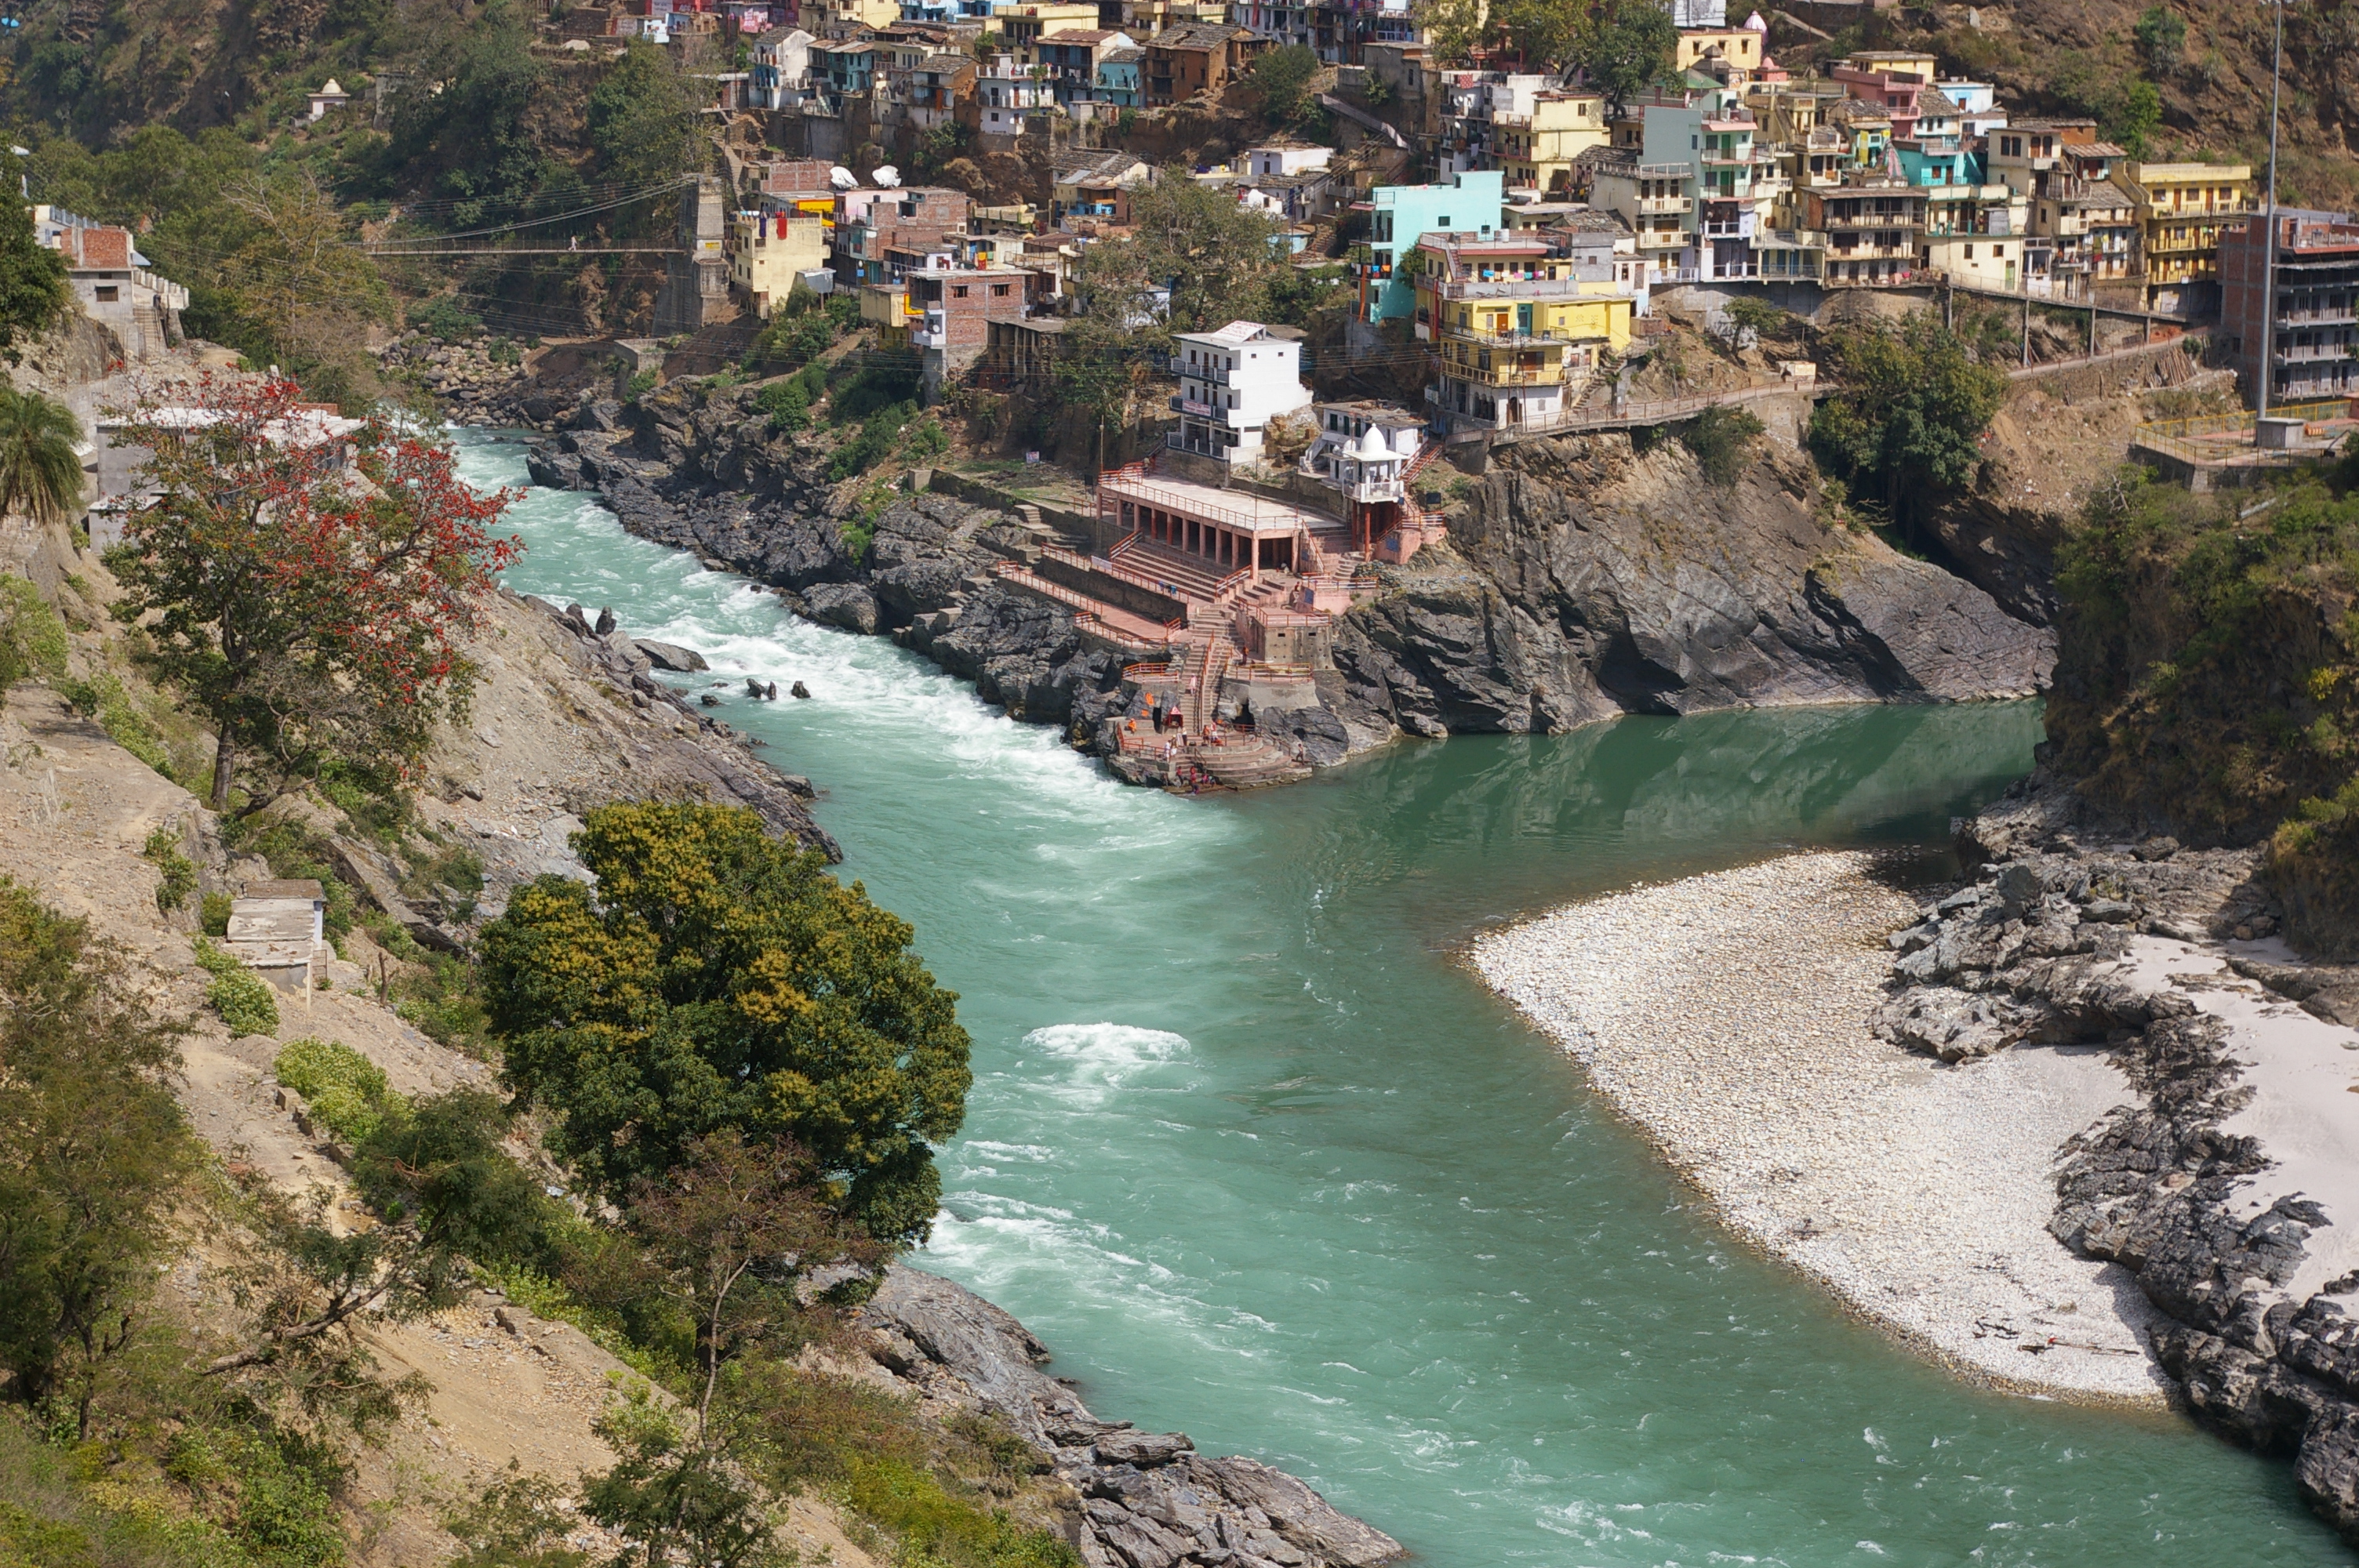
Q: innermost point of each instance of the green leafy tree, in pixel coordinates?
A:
(1452, 26)
(466, 129)
(674, 1499)
(1910, 418)
(1548, 32)
(92, 1152)
(32, 280)
(1281, 77)
(720, 978)
(642, 121)
(40, 473)
(1624, 46)
(2161, 34)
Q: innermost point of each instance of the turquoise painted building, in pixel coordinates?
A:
(1401, 215)
(1952, 166)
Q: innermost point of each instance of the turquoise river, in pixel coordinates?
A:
(1263, 1162)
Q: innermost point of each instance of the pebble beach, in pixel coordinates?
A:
(1726, 1016)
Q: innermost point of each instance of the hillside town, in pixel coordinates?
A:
(1514, 236)
(1509, 244)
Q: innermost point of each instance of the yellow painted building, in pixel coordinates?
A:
(1515, 327)
(2181, 208)
(837, 19)
(1740, 47)
(1538, 150)
(770, 246)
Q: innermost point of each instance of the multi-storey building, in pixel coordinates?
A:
(1020, 26)
(779, 74)
(872, 225)
(1010, 94)
(1657, 201)
(1475, 105)
(1196, 58)
(2025, 155)
(1283, 22)
(1232, 382)
(1536, 150)
(1072, 60)
(2181, 208)
(1520, 328)
(784, 236)
(1874, 226)
(1401, 215)
(1889, 80)
(2085, 238)
(947, 311)
(2311, 353)
(1095, 186)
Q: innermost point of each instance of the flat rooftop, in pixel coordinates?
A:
(1235, 509)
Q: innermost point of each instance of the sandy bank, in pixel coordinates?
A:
(1727, 1016)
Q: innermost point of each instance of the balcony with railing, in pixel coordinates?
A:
(1506, 337)
(1663, 205)
(1546, 373)
(1211, 374)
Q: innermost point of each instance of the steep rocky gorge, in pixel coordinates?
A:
(1581, 578)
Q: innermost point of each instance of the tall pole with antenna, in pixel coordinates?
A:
(2269, 273)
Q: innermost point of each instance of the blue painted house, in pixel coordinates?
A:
(1118, 84)
(1468, 202)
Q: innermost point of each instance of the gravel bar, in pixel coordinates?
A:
(1727, 1016)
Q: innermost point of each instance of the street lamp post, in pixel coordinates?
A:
(2269, 263)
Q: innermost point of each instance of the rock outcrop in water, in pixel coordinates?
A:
(2037, 950)
(1583, 578)
(1143, 1499)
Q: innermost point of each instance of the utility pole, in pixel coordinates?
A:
(2269, 267)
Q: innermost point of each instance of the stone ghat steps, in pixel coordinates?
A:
(1195, 576)
(1247, 763)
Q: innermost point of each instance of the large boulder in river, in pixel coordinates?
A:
(844, 604)
(671, 657)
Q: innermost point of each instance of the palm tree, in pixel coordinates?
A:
(40, 473)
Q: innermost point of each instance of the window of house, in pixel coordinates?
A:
(958, 290)
(999, 291)
(107, 294)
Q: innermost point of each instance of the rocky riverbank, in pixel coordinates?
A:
(1581, 578)
(2227, 1186)
(1139, 1499)
(2079, 1124)
(1727, 1016)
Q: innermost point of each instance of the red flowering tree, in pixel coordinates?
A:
(309, 580)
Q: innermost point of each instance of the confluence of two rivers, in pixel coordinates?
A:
(1261, 1162)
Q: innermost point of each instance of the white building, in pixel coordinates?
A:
(327, 99)
(1232, 382)
(1280, 161)
(781, 69)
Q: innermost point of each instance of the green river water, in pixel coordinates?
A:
(1262, 1162)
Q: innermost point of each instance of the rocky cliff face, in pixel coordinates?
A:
(1584, 579)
